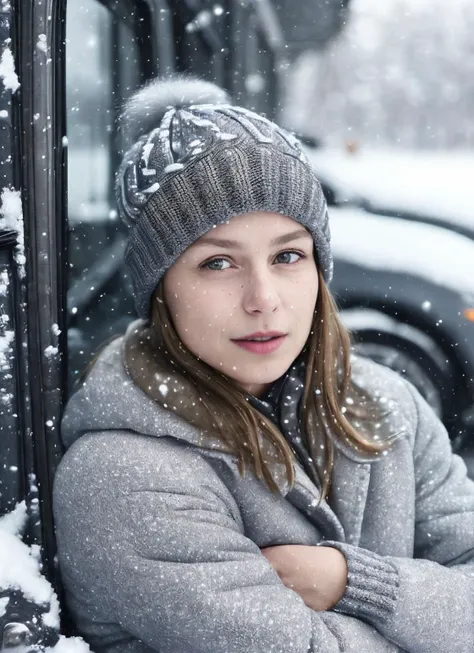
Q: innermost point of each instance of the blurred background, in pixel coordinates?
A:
(399, 73)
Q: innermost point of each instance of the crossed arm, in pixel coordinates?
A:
(426, 604)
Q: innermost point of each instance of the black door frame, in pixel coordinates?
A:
(39, 128)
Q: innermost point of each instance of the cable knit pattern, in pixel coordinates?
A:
(372, 584)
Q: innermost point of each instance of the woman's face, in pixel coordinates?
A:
(255, 274)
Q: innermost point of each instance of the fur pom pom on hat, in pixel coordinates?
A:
(197, 165)
(145, 109)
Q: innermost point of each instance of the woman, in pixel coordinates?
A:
(235, 481)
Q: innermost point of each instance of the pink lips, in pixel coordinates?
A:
(261, 347)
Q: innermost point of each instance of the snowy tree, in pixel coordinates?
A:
(400, 73)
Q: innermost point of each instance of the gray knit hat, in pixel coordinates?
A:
(202, 165)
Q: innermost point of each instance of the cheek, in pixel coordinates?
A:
(197, 313)
(314, 291)
(304, 293)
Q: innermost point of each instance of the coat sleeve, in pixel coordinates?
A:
(167, 559)
(425, 604)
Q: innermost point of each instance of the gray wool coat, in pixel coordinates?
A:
(159, 537)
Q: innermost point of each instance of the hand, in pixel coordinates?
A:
(317, 574)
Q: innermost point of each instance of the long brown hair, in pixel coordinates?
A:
(224, 406)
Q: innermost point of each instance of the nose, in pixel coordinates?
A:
(261, 294)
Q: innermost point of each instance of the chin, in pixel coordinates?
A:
(255, 375)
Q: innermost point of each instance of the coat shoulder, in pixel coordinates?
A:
(124, 462)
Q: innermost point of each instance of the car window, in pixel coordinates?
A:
(107, 59)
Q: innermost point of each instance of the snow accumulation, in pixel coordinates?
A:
(436, 184)
(3, 605)
(7, 337)
(20, 570)
(50, 351)
(6, 341)
(7, 71)
(20, 567)
(12, 218)
(42, 43)
(69, 645)
(437, 255)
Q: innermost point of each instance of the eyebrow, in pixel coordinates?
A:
(233, 244)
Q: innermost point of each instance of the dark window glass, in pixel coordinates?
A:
(108, 57)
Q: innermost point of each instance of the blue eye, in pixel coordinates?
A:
(206, 265)
(290, 251)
